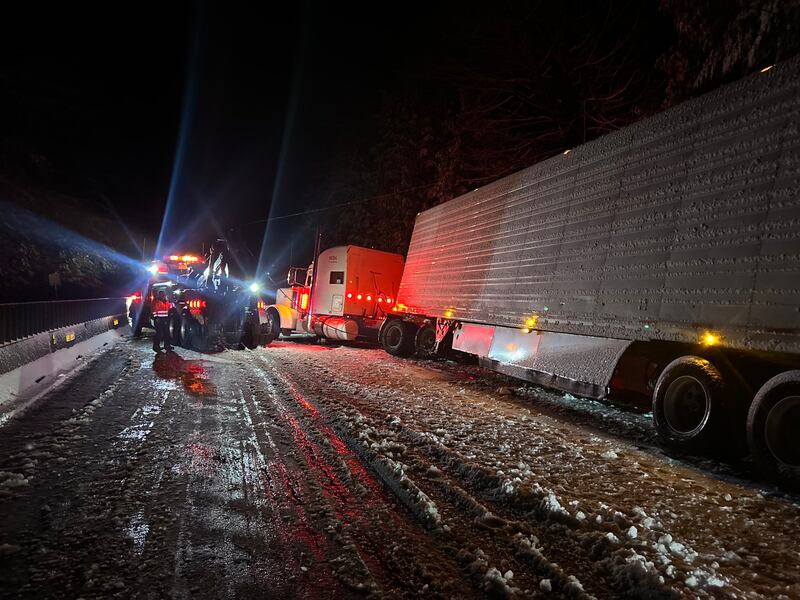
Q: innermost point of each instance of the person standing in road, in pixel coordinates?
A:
(161, 308)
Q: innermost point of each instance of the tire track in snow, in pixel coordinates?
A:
(418, 561)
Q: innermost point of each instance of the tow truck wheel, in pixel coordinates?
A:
(188, 327)
(691, 405)
(425, 341)
(200, 341)
(398, 338)
(773, 429)
(175, 329)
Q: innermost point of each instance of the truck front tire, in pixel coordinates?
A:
(273, 323)
(398, 337)
(690, 405)
(773, 429)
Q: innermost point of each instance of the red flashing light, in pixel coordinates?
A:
(196, 304)
(304, 301)
(369, 298)
(349, 294)
(380, 299)
(186, 258)
(359, 296)
(389, 300)
(162, 268)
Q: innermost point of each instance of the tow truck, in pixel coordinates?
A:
(211, 308)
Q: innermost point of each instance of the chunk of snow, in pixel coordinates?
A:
(545, 585)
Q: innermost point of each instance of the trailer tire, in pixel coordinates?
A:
(397, 338)
(425, 341)
(689, 405)
(773, 429)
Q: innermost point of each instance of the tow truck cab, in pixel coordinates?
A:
(171, 274)
(210, 307)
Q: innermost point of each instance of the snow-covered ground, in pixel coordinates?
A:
(303, 471)
(614, 515)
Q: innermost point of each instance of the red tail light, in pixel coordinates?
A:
(162, 268)
(186, 258)
(135, 297)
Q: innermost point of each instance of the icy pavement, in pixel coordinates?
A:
(301, 471)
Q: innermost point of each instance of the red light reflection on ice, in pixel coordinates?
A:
(192, 374)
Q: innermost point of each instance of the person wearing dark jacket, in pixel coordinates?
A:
(161, 308)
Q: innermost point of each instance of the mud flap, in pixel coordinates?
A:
(578, 364)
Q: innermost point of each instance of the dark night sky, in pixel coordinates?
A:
(103, 95)
(220, 104)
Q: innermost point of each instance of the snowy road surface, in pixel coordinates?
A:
(301, 471)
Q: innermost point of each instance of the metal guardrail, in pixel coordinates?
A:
(23, 319)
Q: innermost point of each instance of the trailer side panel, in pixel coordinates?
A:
(684, 222)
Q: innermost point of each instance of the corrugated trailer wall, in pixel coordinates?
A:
(686, 221)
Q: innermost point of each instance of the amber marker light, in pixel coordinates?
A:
(710, 338)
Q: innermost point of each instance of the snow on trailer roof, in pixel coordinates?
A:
(681, 224)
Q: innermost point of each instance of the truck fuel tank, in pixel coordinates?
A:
(336, 328)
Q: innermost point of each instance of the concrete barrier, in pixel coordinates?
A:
(32, 366)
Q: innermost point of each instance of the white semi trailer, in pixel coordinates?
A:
(659, 261)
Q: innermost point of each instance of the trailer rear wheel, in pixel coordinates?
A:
(425, 341)
(398, 338)
(773, 429)
(689, 408)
